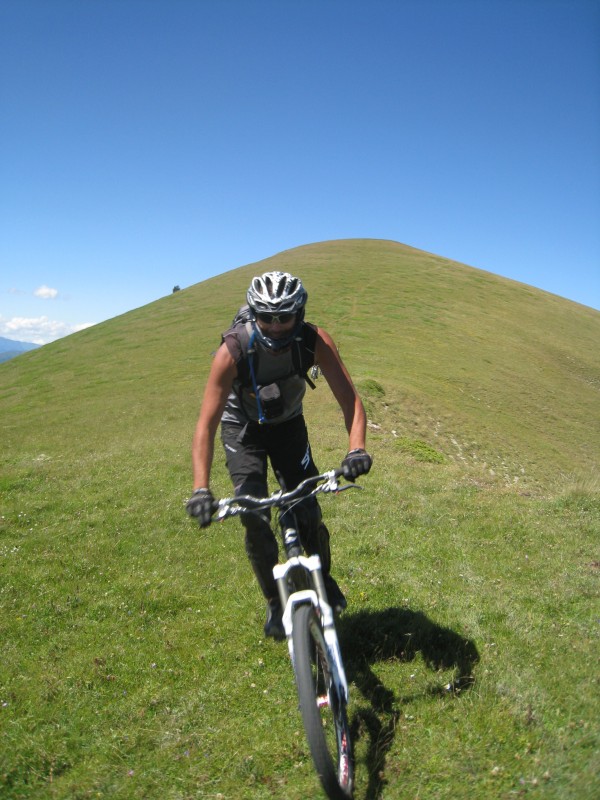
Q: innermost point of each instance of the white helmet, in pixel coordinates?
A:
(275, 292)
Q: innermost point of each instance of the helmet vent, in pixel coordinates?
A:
(277, 291)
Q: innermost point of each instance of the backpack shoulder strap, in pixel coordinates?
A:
(237, 339)
(303, 352)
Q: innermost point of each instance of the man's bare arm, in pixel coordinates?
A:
(340, 382)
(220, 381)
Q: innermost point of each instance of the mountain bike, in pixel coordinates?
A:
(309, 625)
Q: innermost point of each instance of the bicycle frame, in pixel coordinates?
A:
(311, 565)
(309, 626)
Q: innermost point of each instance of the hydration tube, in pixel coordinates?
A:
(251, 351)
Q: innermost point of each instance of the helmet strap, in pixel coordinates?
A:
(275, 345)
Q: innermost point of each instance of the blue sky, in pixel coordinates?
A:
(152, 143)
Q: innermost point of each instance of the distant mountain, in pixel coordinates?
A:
(9, 348)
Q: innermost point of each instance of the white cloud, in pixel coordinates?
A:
(38, 330)
(46, 293)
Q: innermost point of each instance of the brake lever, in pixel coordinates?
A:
(333, 485)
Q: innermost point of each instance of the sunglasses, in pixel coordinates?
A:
(269, 319)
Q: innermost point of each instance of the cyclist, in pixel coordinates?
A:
(254, 390)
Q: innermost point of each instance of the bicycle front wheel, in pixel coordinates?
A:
(323, 709)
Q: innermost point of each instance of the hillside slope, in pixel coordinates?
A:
(133, 661)
(494, 374)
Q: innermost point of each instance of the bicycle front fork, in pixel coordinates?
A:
(291, 595)
(300, 572)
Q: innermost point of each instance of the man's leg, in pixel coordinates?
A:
(247, 465)
(291, 457)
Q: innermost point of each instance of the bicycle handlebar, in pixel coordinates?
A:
(326, 482)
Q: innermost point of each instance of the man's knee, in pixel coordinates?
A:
(308, 516)
(261, 545)
(313, 532)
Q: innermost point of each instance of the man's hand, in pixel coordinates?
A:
(201, 506)
(357, 462)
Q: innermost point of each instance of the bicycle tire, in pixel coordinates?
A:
(323, 711)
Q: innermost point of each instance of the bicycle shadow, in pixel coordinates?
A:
(369, 637)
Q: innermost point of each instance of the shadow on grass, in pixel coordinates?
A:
(369, 637)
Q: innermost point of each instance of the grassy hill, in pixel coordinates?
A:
(133, 663)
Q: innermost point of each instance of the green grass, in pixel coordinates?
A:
(133, 663)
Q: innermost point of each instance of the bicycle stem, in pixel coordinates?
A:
(291, 542)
